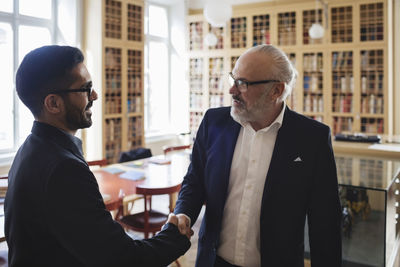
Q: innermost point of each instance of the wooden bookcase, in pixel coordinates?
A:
(344, 77)
(120, 55)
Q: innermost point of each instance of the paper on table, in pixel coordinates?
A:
(106, 197)
(386, 147)
(132, 175)
(137, 163)
(160, 161)
(112, 170)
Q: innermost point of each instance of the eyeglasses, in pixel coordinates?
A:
(88, 90)
(242, 85)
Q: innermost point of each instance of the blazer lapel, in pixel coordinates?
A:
(281, 154)
(221, 157)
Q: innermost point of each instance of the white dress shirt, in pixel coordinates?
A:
(240, 235)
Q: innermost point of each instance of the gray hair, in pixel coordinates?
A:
(282, 69)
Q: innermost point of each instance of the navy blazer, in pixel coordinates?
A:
(55, 214)
(293, 190)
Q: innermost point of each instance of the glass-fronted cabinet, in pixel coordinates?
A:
(369, 191)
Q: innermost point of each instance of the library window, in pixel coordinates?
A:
(157, 70)
(24, 26)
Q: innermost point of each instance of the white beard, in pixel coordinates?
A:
(242, 113)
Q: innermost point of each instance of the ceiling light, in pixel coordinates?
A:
(217, 13)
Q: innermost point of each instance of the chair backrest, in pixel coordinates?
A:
(3, 187)
(135, 154)
(168, 149)
(101, 162)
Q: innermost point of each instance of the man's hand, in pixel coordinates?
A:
(182, 222)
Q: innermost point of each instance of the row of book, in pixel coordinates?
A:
(313, 103)
(112, 105)
(196, 100)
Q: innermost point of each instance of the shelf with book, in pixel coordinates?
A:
(309, 18)
(371, 22)
(261, 30)
(287, 28)
(113, 142)
(113, 19)
(233, 62)
(134, 75)
(372, 125)
(292, 100)
(342, 81)
(135, 21)
(342, 124)
(238, 32)
(219, 34)
(339, 91)
(196, 83)
(195, 118)
(119, 53)
(372, 91)
(113, 86)
(216, 82)
(313, 97)
(342, 24)
(196, 35)
(135, 132)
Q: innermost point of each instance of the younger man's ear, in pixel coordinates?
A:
(53, 103)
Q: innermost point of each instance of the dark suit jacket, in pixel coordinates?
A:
(293, 190)
(55, 215)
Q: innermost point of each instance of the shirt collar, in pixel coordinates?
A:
(56, 135)
(278, 121)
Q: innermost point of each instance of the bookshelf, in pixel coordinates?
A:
(344, 77)
(238, 32)
(119, 53)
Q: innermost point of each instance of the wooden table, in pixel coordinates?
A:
(156, 176)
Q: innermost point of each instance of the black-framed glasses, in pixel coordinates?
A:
(88, 90)
(242, 85)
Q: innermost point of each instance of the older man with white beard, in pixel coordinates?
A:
(262, 169)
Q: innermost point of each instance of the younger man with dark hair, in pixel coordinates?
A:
(54, 212)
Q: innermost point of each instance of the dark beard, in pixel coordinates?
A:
(78, 119)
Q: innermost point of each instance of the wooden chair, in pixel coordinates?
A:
(148, 221)
(3, 252)
(168, 149)
(126, 200)
(100, 163)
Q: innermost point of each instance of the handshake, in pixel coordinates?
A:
(182, 222)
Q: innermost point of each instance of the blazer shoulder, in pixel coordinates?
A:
(305, 124)
(218, 115)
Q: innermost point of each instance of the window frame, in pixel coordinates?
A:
(15, 20)
(167, 41)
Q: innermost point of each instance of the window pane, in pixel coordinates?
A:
(6, 96)
(158, 22)
(158, 97)
(37, 8)
(67, 19)
(29, 39)
(6, 5)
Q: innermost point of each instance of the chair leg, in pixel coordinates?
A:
(172, 201)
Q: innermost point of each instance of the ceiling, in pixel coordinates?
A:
(196, 4)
